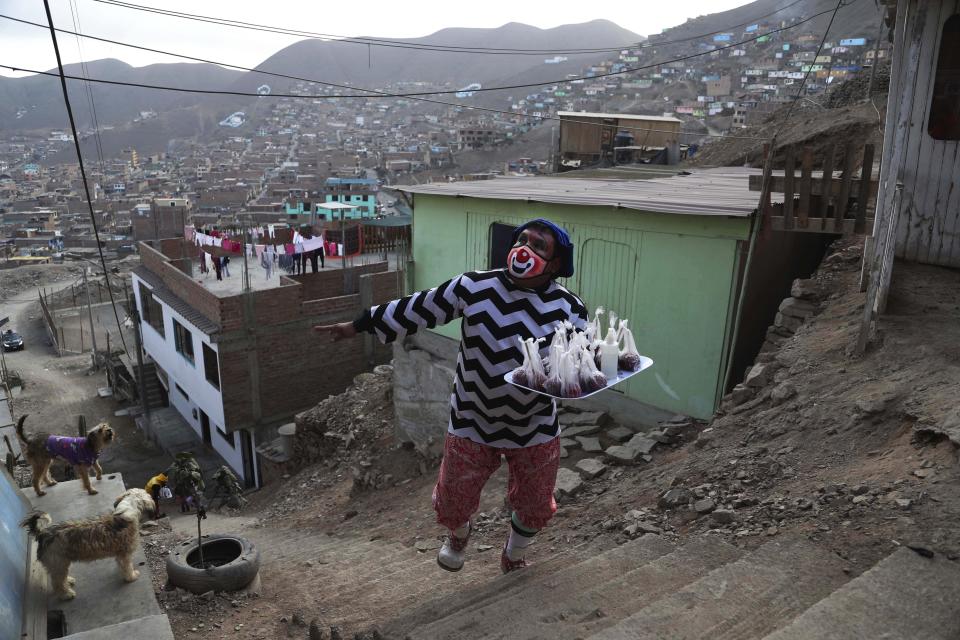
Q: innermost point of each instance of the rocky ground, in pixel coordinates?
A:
(852, 452)
(810, 124)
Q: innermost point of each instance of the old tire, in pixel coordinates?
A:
(233, 562)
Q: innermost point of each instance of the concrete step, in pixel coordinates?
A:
(904, 597)
(467, 597)
(746, 599)
(581, 613)
(543, 590)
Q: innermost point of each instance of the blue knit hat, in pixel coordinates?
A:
(563, 248)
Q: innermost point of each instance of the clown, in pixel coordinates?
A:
(489, 418)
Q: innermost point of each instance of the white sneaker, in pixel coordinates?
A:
(454, 551)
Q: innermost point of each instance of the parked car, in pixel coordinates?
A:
(12, 341)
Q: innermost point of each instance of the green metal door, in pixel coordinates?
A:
(608, 271)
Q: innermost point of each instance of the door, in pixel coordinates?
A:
(205, 428)
(608, 276)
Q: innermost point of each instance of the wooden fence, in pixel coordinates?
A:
(819, 201)
(385, 239)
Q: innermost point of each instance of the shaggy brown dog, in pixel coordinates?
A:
(42, 448)
(115, 535)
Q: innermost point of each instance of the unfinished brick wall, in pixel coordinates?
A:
(327, 284)
(182, 285)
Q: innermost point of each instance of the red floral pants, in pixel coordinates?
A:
(467, 465)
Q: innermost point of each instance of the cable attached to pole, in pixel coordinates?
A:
(83, 171)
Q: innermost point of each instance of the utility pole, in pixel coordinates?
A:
(873, 67)
(135, 316)
(93, 333)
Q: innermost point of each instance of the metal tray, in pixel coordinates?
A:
(645, 363)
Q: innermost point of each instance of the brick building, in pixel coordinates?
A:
(165, 218)
(236, 365)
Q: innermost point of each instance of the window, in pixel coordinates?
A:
(183, 341)
(226, 437)
(944, 123)
(211, 367)
(182, 392)
(151, 310)
(500, 235)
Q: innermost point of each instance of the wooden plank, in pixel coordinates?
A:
(914, 227)
(816, 184)
(864, 192)
(788, 167)
(777, 223)
(828, 174)
(806, 169)
(842, 203)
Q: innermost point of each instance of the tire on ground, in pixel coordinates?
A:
(233, 575)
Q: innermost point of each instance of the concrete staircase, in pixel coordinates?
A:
(156, 395)
(706, 589)
(648, 588)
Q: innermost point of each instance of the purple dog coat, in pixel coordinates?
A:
(73, 450)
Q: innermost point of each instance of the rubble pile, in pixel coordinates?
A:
(28, 279)
(855, 90)
(348, 425)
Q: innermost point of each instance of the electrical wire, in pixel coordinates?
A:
(803, 82)
(83, 171)
(380, 93)
(423, 46)
(88, 88)
(452, 104)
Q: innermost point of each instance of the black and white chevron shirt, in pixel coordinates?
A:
(496, 314)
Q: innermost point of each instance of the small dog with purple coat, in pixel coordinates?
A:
(41, 449)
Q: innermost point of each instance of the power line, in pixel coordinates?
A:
(803, 82)
(312, 97)
(83, 171)
(386, 94)
(422, 46)
(75, 15)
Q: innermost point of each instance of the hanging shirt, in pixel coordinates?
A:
(496, 314)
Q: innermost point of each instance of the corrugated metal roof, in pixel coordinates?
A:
(621, 116)
(176, 303)
(707, 192)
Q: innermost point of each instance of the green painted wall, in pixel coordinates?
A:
(671, 275)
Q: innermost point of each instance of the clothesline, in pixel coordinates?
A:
(223, 241)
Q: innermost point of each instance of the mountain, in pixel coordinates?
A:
(343, 62)
(860, 18)
(333, 61)
(42, 99)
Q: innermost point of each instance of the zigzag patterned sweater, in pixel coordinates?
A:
(496, 314)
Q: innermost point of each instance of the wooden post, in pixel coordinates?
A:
(788, 189)
(840, 208)
(81, 337)
(827, 190)
(864, 192)
(806, 169)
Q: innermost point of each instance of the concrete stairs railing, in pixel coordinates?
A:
(648, 588)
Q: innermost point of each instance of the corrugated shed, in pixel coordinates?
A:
(709, 192)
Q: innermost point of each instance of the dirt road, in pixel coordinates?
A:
(57, 390)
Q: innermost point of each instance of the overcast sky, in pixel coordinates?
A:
(30, 47)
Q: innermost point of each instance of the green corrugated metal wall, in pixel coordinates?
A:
(671, 275)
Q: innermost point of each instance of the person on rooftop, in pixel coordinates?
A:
(489, 418)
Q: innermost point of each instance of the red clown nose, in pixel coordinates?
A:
(522, 255)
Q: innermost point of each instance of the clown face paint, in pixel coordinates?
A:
(522, 262)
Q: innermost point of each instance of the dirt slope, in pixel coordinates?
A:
(843, 458)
